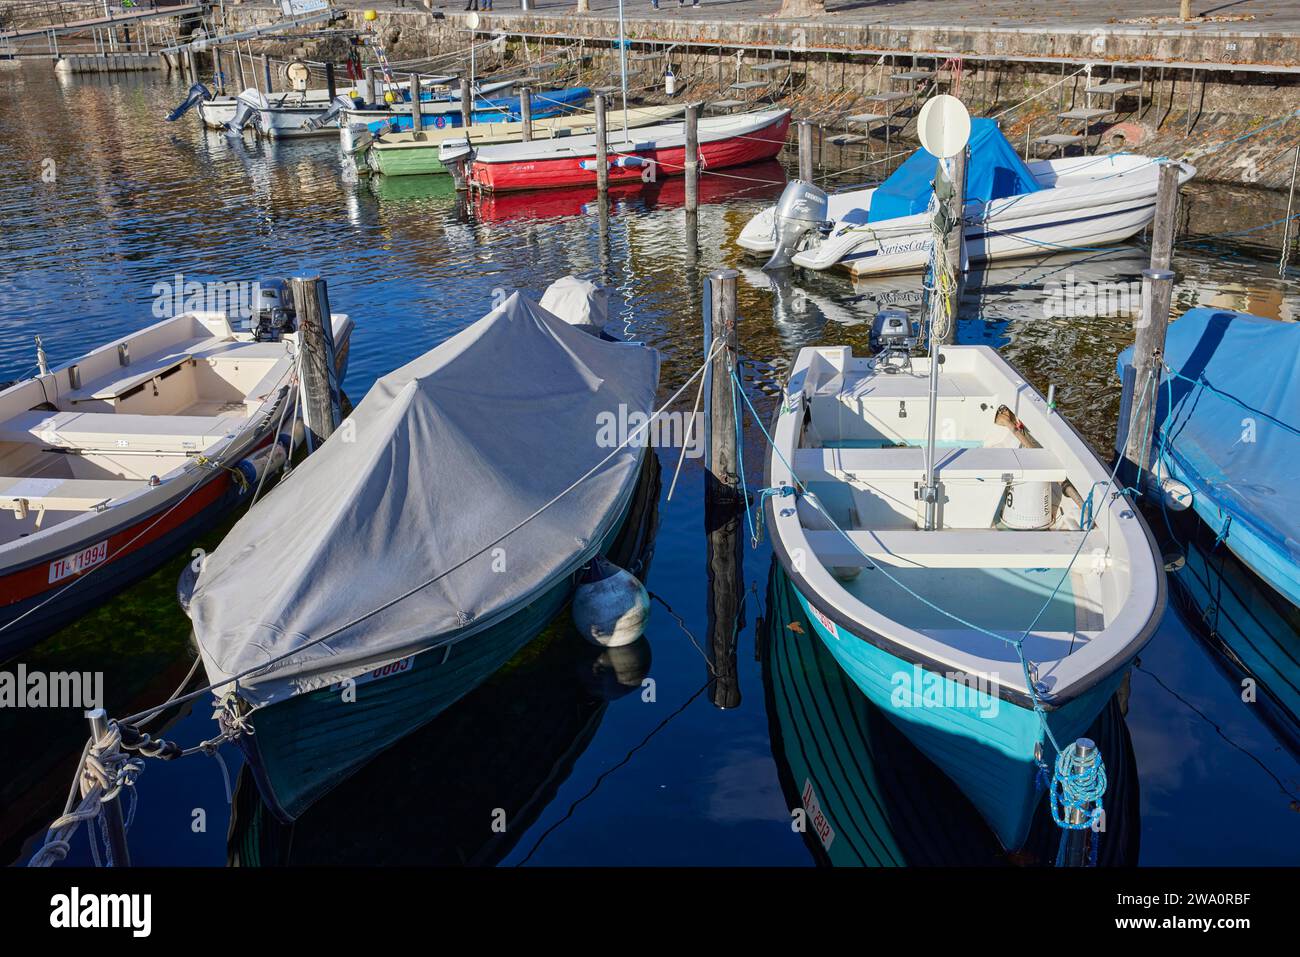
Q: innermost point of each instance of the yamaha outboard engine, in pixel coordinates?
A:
(196, 95)
(274, 314)
(802, 207)
(248, 106)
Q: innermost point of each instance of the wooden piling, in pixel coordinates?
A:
(318, 381)
(330, 83)
(955, 247)
(723, 474)
(602, 146)
(417, 108)
(266, 74)
(692, 157)
(372, 84)
(466, 102)
(1166, 219)
(526, 112)
(218, 79)
(114, 828)
(806, 150)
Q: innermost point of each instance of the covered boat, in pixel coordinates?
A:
(1025, 544)
(646, 154)
(1228, 426)
(1227, 435)
(425, 542)
(409, 153)
(112, 463)
(1012, 209)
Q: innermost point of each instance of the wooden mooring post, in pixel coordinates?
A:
(1142, 380)
(331, 85)
(218, 78)
(526, 112)
(114, 828)
(266, 74)
(722, 472)
(692, 157)
(466, 102)
(602, 145)
(318, 381)
(722, 492)
(955, 247)
(417, 108)
(806, 150)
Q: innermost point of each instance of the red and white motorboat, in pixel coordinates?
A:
(113, 463)
(646, 154)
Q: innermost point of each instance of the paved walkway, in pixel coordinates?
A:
(1246, 16)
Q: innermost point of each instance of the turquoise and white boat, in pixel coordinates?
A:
(869, 798)
(1026, 542)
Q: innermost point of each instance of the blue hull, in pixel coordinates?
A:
(985, 744)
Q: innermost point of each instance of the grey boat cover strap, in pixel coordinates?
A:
(441, 458)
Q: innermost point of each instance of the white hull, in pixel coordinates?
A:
(1087, 202)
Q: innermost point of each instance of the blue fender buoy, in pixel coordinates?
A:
(611, 607)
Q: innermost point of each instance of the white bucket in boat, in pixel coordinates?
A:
(1027, 506)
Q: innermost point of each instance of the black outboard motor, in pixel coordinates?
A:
(274, 314)
(197, 94)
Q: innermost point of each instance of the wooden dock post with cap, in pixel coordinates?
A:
(1142, 381)
(466, 102)
(723, 473)
(318, 381)
(806, 150)
(692, 157)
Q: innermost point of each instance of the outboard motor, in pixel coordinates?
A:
(802, 207)
(196, 95)
(455, 156)
(274, 314)
(893, 337)
(337, 106)
(248, 106)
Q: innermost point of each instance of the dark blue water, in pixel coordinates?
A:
(674, 780)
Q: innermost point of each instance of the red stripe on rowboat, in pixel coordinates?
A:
(36, 579)
(760, 144)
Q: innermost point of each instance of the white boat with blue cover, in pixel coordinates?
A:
(1012, 209)
(1031, 544)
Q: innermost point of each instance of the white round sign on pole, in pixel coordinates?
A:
(944, 126)
(473, 21)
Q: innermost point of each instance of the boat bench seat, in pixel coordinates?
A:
(116, 432)
(1011, 464)
(65, 494)
(947, 548)
(140, 371)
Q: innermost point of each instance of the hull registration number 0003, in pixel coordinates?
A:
(78, 562)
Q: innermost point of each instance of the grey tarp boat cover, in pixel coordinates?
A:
(439, 460)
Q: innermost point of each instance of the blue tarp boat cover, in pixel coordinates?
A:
(1234, 432)
(994, 171)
